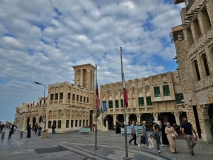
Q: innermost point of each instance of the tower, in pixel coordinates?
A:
(85, 75)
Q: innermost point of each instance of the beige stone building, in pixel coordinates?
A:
(69, 106)
(155, 98)
(194, 46)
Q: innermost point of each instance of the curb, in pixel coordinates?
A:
(64, 145)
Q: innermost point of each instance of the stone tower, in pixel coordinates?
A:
(85, 76)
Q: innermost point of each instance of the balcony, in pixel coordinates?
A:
(189, 5)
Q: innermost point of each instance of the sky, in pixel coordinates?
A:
(41, 41)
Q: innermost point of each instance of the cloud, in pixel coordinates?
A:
(42, 40)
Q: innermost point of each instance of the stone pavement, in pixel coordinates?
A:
(110, 146)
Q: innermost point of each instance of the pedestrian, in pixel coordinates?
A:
(187, 130)
(29, 131)
(133, 133)
(53, 128)
(164, 137)
(39, 130)
(157, 135)
(3, 131)
(10, 133)
(14, 129)
(36, 128)
(171, 135)
(153, 129)
(151, 143)
(144, 133)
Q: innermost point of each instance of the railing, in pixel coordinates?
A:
(189, 5)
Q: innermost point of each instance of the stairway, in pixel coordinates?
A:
(100, 125)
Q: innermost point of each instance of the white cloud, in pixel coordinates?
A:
(42, 40)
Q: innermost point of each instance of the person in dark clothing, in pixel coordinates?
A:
(10, 132)
(39, 130)
(53, 128)
(36, 128)
(117, 128)
(164, 137)
(157, 138)
(29, 131)
(133, 133)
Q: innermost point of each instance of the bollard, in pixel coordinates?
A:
(2, 135)
(45, 133)
(21, 134)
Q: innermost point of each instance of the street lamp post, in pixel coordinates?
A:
(44, 120)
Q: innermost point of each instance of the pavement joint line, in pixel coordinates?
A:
(79, 152)
(129, 150)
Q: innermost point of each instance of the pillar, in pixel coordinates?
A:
(138, 119)
(107, 124)
(127, 119)
(155, 116)
(177, 118)
(114, 119)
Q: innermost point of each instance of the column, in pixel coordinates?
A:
(114, 119)
(177, 118)
(139, 119)
(127, 119)
(155, 116)
(81, 77)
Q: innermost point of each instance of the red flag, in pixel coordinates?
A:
(125, 93)
(97, 97)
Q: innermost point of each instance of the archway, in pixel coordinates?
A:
(132, 117)
(40, 119)
(210, 113)
(34, 121)
(182, 115)
(167, 117)
(148, 117)
(28, 122)
(120, 118)
(109, 118)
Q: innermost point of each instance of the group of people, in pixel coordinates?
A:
(169, 134)
(37, 128)
(12, 129)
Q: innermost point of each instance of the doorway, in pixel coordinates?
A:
(197, 121)
(210, 113)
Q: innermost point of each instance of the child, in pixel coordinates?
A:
(157, 139)
(151, 143)
(39, 130)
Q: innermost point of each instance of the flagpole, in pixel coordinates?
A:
(124, 107)
(96, 105)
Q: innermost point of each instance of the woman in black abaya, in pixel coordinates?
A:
(29, 131)
(164, 137)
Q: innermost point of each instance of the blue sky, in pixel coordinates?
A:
(42, 40)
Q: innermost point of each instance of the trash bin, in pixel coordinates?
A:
(45, 133)
(2, 135)
(21, 134)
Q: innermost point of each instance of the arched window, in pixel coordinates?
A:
(196, 70)
(205, 65)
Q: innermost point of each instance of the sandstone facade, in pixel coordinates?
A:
(194, 47)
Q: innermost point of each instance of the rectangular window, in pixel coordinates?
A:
(49, 124)
(71, 123)
(110, 104)
(179, 98)
(83, 123)
(141, 101)
(54, 122)
(76, 123)
(79, 123)
(87, 100)
(84, 99)
(69, 94)
(61, 95)
(87, 123)
(166, 90)
(148, 101)
(77, 97)
(67, 123)
(116, 104)
(122, 103)
(73, 97)
(80, 98)
(56, 96)
(59, 124)
(51, 96)
(157, 91)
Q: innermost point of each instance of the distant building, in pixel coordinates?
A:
(194, 46)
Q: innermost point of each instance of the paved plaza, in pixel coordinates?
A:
(75, 146)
